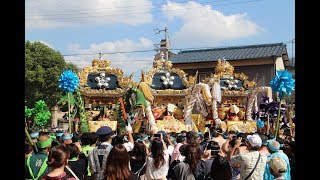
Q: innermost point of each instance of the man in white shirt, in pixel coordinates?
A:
(252, 163)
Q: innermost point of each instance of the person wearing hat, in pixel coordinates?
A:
(218, 137)
(98, 156)
(36, 165)
(34, 136)
(274, 147)
(59, 134)
(66, 138)
(252, 163)
(278, 167)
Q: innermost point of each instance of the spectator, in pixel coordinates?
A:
(217, 136)
(138, 158)
(119, 139)
(88, 142)
(57, 161)
(278, 167)
(212, 151)
(176, 155)
(263, 149)
(252, 163)
(220, 169)
(66, 138)
(118, 165)
(158, 160)
(98, 156)
(274, 147)
(76, 164)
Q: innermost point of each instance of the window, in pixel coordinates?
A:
(202, 76)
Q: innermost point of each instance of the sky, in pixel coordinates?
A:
(127, 31)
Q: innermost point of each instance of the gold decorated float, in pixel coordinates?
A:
(169, 88)
(232, 94)
(101, 87)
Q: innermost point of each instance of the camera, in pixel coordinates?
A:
(158, 135)
(208, 125)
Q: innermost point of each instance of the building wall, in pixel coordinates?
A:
(265, 72)
(279, 63)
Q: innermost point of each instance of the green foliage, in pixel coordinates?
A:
(84, 126)
(43, 67)
(120, 119)
(42, 118)
(39, 113)
(28, 112)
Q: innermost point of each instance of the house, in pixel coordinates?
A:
(260, 61)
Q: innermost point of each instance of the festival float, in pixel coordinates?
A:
(231, 102)
(102, 88)
(162, 99)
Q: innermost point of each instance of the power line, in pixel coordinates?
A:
(126, 14)
(139, 51)
(120, 52)
(126, 8)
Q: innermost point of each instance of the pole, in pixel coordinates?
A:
(268, 124)
(70, 123)
(123, 109)
(167, 43)
(278, 119)
(30, 140)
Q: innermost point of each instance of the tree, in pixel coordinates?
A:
(43, 67)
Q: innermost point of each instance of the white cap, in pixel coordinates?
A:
(254, 140)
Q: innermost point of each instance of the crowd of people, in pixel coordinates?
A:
(106, 155)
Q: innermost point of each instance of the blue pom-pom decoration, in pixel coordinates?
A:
(283, 83)
(68, 81)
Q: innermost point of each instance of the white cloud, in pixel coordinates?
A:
(58, 13)
(128, 62)
(206, 27)
(48, 44)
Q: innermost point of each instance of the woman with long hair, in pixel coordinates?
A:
(117, 166)
(138, 158)
(221, 169)
(158, 161)
(185, 169)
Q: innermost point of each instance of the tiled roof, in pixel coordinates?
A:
(230, 53)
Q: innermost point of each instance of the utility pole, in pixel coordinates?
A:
(164, 43)
(100, 55)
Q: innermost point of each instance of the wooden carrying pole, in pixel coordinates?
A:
(123, 109)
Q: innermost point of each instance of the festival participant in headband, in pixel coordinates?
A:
(88, 142)
(67, 138)
(36, 165)
(34, 136)
(274, 147)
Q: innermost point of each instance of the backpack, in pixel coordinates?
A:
(171, 174)
(94, 163)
